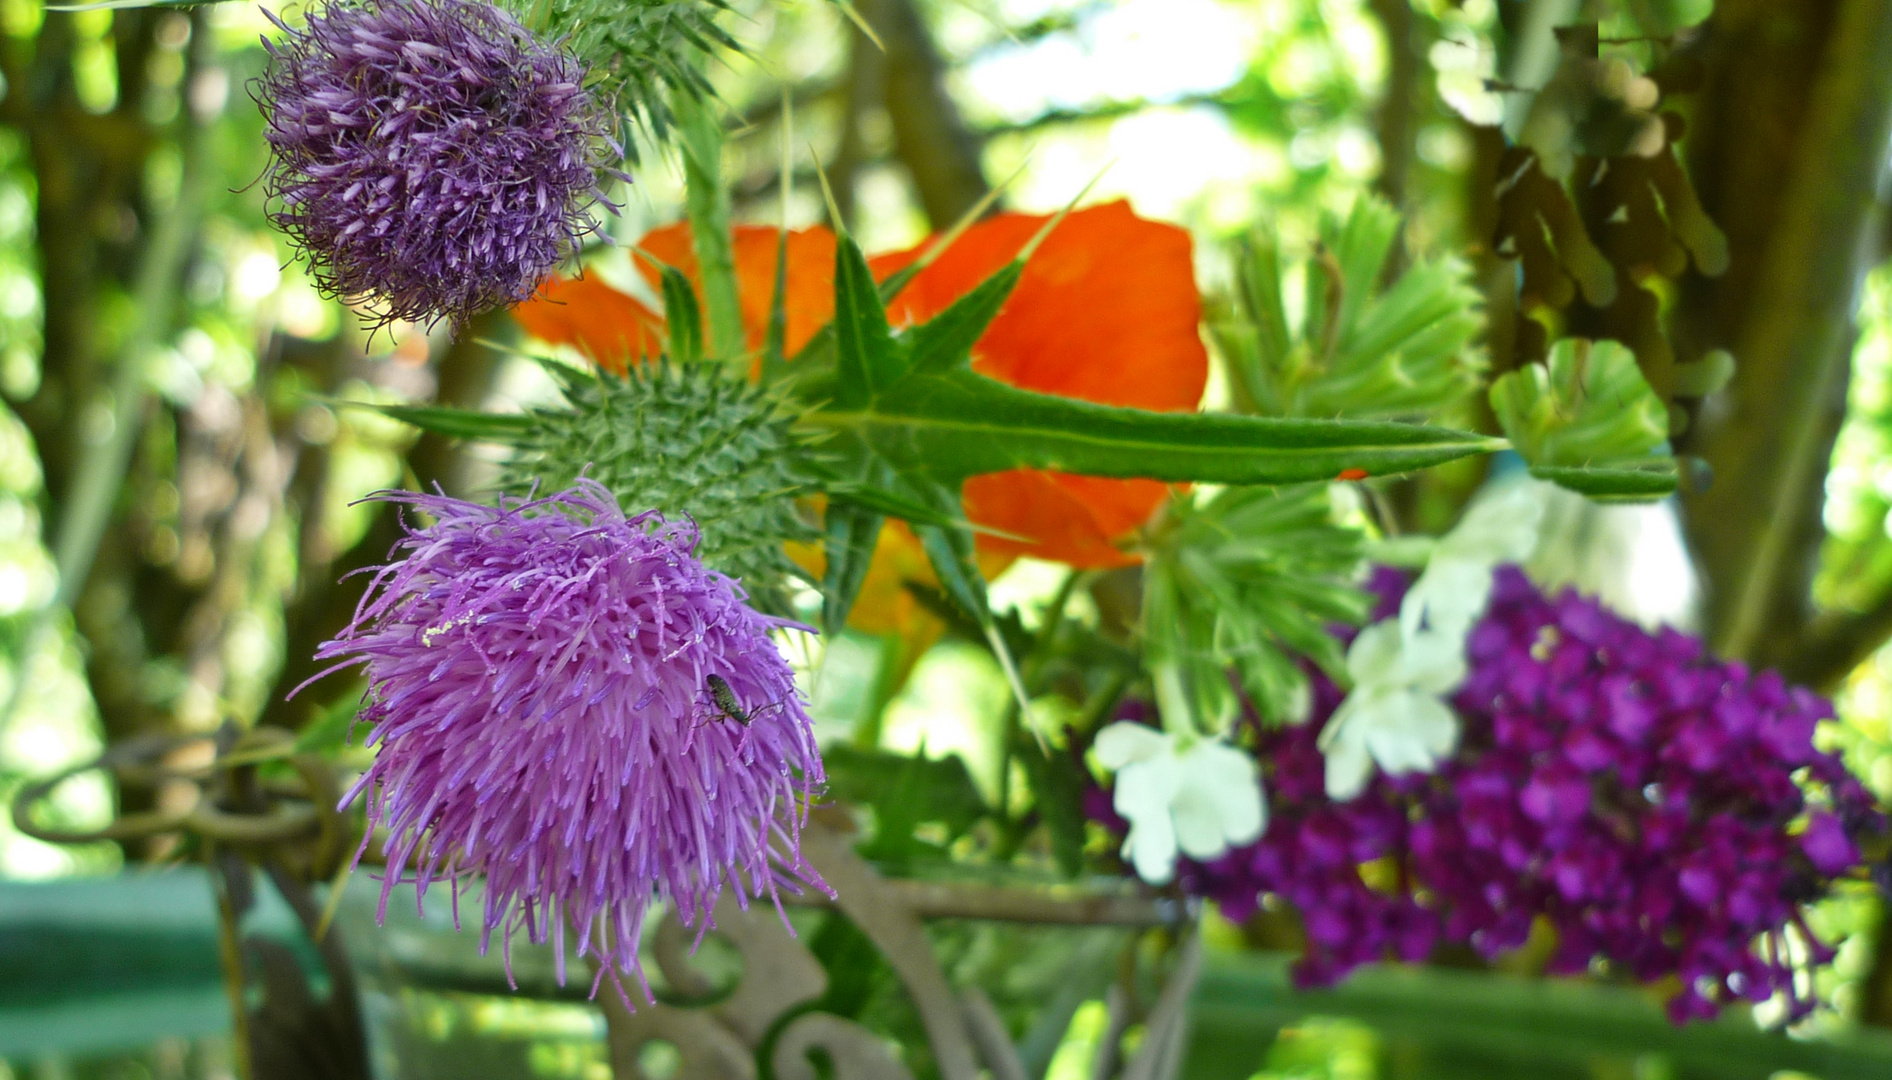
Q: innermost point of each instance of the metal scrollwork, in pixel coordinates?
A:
(766, 1026)
(240, 821)
(769, 1008)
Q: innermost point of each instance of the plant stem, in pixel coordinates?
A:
(707, 203)
(1031, 673)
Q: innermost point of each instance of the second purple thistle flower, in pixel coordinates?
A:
(431, 158)
(544, 691)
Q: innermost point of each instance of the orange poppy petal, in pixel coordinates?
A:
(606, 325)
(810, 301)
(1070, 519)
(1106, 311)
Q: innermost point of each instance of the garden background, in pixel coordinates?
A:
(178, 478)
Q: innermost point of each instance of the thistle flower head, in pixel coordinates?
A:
(429, 157)
(543, 690)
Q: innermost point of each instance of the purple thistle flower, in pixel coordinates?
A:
(538, 681)
(430, 156)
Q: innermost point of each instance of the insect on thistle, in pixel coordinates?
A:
(725, 700)
(726, 706)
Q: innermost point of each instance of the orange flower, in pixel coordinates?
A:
(599, 321)
(1105, 311)
(810, 302)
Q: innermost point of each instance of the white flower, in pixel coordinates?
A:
(1451, 595)
(1394, 715)
(1202, 796)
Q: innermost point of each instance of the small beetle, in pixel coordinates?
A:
(725, 700)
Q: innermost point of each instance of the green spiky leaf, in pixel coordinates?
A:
(1361, 352)
(852, 531)
(455, 423)
(1588, 421)
(682, 317)
(943, 421)
(1248, 580)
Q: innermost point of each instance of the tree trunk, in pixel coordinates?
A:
(930, 136)
(1787, 150)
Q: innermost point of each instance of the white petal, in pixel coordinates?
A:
(1449, 597)
(1226, 780)
(1374, 656)
(1146, 789)
(1151, 847)
(1339, 724)
(1125, 741)
(1198, 823)
(1145, 792)
(1412, 732)
(1500, 527)
(1348, 769)
(1432, 661)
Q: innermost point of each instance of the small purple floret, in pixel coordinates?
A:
(537, 684)
(430, 157)
(1663, 812)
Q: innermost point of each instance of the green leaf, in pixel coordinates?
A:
(682, 316)
(1511, 1026)
(1358, 352)
(1360, 252)
(1636, 483)
(1589, 421)
(1248, 580)
(868, 360)
(854, 965)
(956, 424)
(939, 789)
(775, 344)
(950, 550)
(455, 423)
(913, 400)
(852, 532)
(1058, 784)
(890, 503)
(942, 343)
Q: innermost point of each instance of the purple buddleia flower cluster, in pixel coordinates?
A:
(539, 686)
(430, 157)
(1665, 814)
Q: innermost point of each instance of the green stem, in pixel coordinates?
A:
(707, 203)
(1031, 674)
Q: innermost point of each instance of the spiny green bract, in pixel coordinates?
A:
(642, 53)
(681, 440)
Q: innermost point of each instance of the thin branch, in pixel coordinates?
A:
(1833, 643)
(930, 134)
